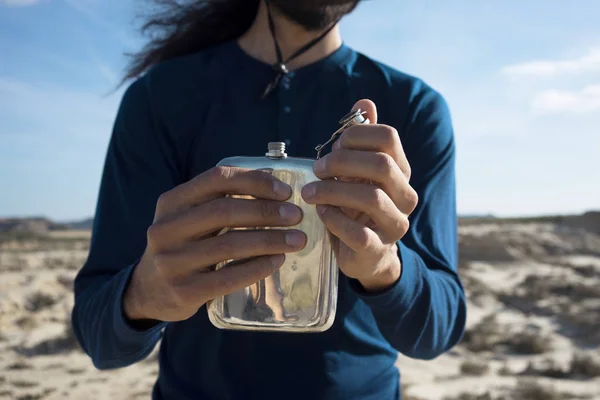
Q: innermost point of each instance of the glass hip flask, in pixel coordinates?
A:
(302, 295)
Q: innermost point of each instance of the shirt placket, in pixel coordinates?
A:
(286, 108)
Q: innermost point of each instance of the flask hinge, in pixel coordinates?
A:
(353, 118)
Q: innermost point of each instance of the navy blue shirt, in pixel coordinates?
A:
(184, 116)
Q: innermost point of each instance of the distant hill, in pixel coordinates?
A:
(589, 221)
(41, 225)
(37, 225)
(82, 225)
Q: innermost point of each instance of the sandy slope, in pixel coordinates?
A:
(534, 305)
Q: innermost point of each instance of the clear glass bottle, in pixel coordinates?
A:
(302, 295)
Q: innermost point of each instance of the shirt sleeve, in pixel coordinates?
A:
(140, 165)
(424, 313)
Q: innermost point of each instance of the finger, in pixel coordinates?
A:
(201, 255)
(375, 167)
(355, 235)
(366, 198)
(224, 212)
(375, 138)
(233, 277)
(220, 181)
(369, 107)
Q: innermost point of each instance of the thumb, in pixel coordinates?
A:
(369, 107)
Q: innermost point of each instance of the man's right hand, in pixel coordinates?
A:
(176, 274)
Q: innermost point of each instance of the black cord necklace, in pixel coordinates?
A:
(280, 66)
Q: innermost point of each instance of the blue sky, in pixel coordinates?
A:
(522, 79)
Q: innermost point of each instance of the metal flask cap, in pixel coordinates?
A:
(276, 150)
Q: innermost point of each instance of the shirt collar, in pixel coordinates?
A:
(339, 59)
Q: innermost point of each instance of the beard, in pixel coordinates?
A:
(314, 15)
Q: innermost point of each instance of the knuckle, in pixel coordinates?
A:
(272, 239)
(335, 159)
(220, 172)
(268, 211)
(221, 207)
(384, 163)
(403, 226)
(412, 199)
(154, 233)
(164, 201)
(224, 247)
(347, 136)
(378, 199)
(389, 135)
(221, 283)
(362, 239)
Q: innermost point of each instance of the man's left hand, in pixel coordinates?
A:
(366, 206)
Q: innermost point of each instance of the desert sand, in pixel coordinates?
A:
(533, 330)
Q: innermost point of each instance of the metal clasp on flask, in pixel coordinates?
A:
(353, 118)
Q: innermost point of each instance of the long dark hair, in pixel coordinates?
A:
(180, 27)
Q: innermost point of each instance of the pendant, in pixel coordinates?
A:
(281, 70)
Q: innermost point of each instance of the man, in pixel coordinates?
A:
(224, 79)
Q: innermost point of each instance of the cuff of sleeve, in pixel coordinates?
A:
(400, 294)
(123, 328)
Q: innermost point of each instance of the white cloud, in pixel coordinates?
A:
(584, 101)
(18, 3)
(549, 68)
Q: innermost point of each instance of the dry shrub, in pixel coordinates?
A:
(471, 396)
(64, 343)
(529, 343)
(53, 263)
(65, 280)
(38, 301)
(573, 305)
(405, 395)
(582, 366)
(483, 336)
(505, 371)
(585, 366)
(548, 369)
(19, 383)
(19, 365)
(525, 390)
(489, 335)
(538, 287)
(474, 368)
(531, 390)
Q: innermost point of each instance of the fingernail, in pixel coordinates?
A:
(282, 189)
(277, 260)
(294, 239)
(321, 209)
(289, 212)
(319, 165)
(336, 145)
(309, 191)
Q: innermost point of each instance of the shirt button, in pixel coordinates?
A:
(287, 109)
